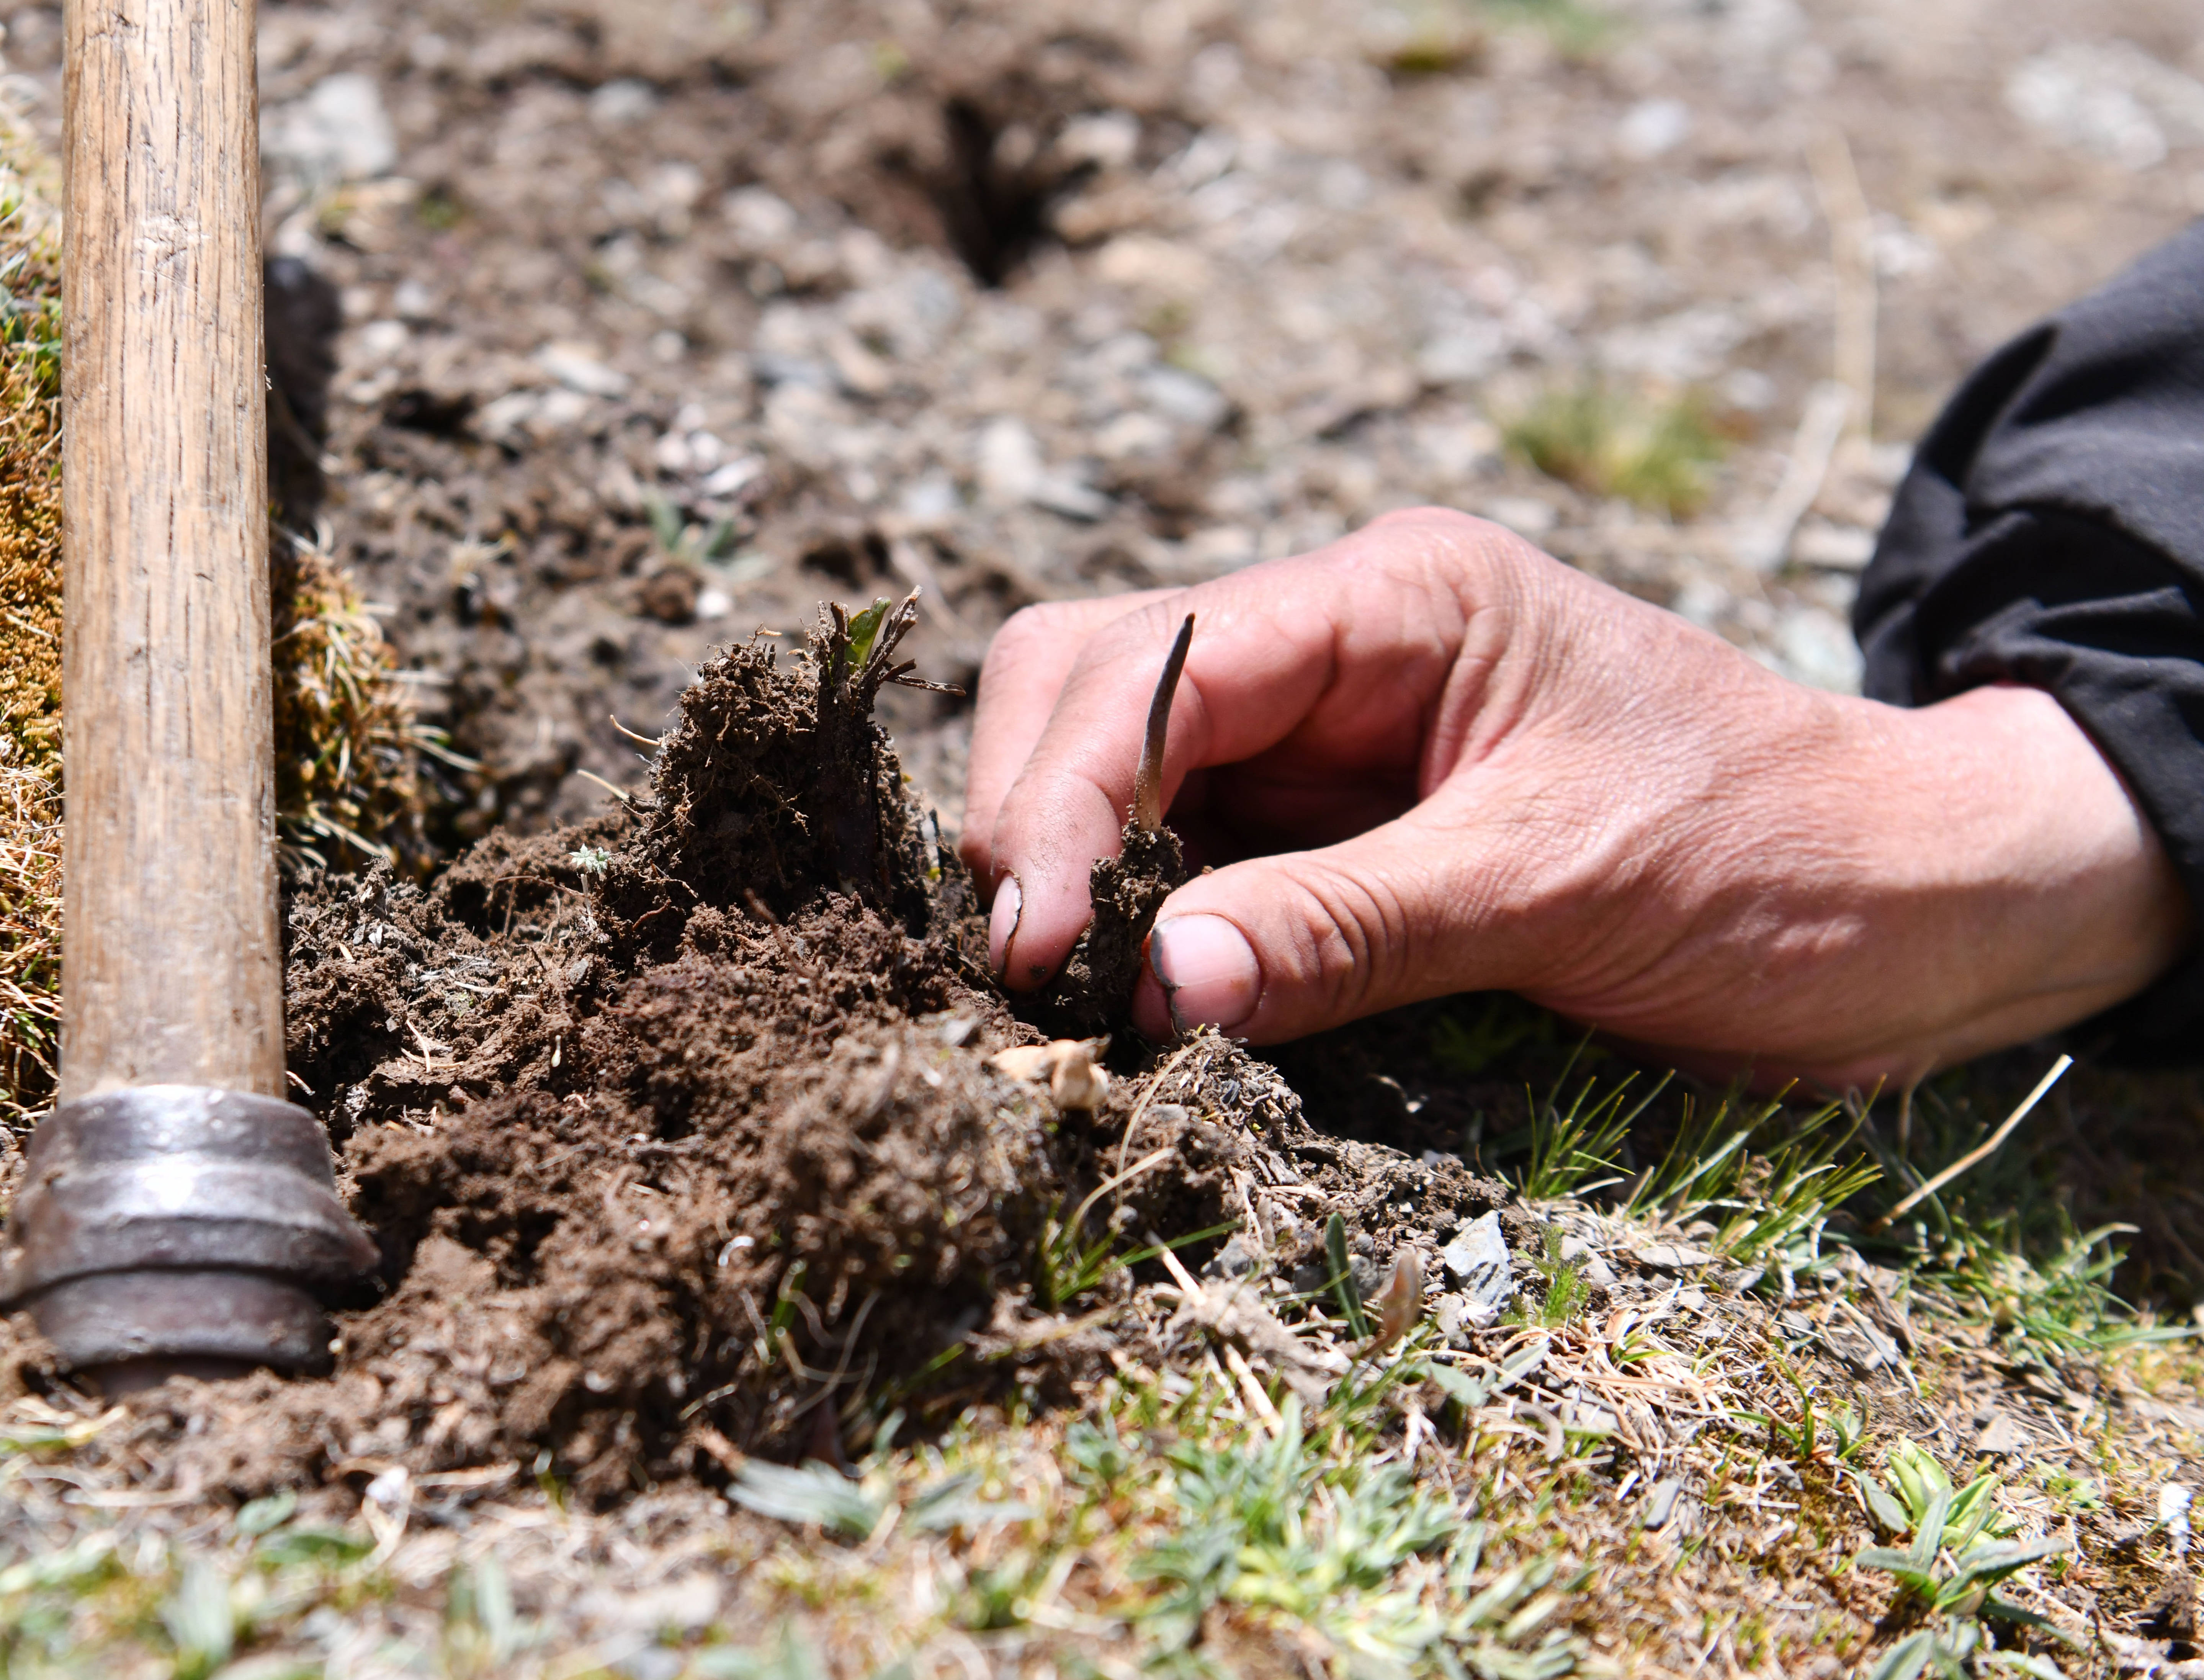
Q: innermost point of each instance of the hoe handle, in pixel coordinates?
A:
(177, 1215)
(170, 971)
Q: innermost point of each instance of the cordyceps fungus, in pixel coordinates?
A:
(1092, 993)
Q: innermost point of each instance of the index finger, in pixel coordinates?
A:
(1345, 650)
(1026, 666)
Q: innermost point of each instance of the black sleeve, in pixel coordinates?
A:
(2051, 533)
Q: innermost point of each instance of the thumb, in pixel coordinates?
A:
(1275, 947)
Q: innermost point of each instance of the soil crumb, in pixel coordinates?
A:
(1093, 991)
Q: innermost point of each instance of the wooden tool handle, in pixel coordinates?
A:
(171, 969)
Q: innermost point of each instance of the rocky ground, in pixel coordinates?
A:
(622, 329)
(644, 325)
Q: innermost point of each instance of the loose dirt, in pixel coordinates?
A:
(678, 1137)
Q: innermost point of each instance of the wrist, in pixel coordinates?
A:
(2021, 888)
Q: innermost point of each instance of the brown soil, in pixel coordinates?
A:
(661, 1121)
(1088, 994)
(678, 1137)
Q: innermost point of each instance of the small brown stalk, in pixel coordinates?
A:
(1400, 1304)
(1148, 782)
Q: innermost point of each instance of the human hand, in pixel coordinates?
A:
(1444, 762)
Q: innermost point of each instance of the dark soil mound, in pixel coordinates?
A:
(676, 1124)
(678, 1132)
(679, 1138)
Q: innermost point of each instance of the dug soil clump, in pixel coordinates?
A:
(675, 1129)
(679, 1138)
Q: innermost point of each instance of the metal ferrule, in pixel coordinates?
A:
(175, 1222)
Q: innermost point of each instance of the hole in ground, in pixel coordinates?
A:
(993, 191)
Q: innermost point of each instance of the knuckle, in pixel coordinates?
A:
(1358, 937)
(1029, 626)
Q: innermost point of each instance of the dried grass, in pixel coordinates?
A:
(348, 746)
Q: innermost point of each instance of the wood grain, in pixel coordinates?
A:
(170, 962)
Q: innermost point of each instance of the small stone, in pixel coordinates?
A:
(735, 477)
(776, 367)
(1660, 1503)
(1109, 139)
(1463, 354)
(2173, 1500)
(392, 1489)
(1525, 516)
(1812, 645)
(1186, 398)
(1220, 547)
(1834, 548)
(1479, 1258)
(2000, 1435)
(379, 340)
(1867, 1351)
(1009, 462)
(617, 104)
(1062, 493)
(338, 132)
(412, 302)
(1590, 1265)
(579, 370)
(1132, 434)
(1653, 127)
(1234, 1259)
(930, 502)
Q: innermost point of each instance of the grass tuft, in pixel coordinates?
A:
(1568, 1145)
(1658, 452)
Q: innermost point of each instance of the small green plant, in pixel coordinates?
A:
(1069, 1264)
(865, 629)
(1657, 453)
(590, 859)
(1958, 1555)
(1816, 1435)
(1283, 1528)
(1099, 1455)
(1578, 29)
(1561, 1295)
(1780, 1196)
(1344, 1290)
(791, 1657)
(711, 545)
(200, 1620)
(1487, 1029)
(1568, 1145)
(481, 1631)
(854, 1507)
(1767, 1199)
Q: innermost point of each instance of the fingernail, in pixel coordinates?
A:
(1207, 970)
(1008, 903)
